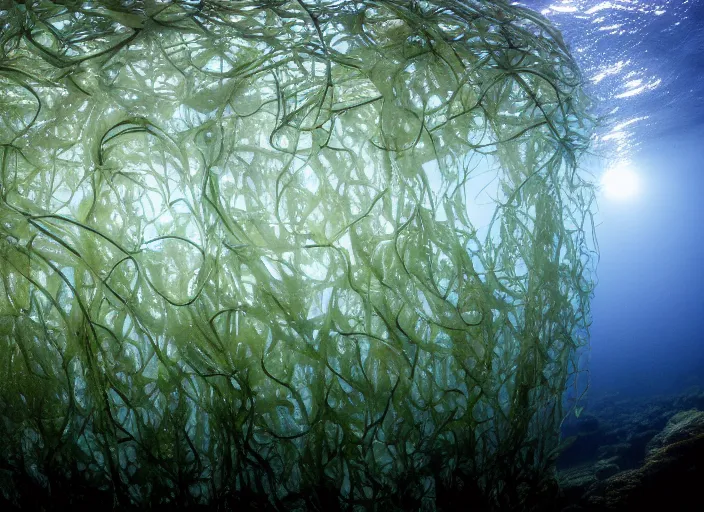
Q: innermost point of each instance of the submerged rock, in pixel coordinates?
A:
(683, 425)
(671, 476)
(574, 484)
(644, 454)
(606, 468)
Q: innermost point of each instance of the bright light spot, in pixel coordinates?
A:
(613, 69)
(635, 87)
(563, 8)
(620, 183)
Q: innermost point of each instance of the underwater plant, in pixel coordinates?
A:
(238, 263)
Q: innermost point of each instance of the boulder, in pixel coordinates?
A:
(681, 426)
(670, 478)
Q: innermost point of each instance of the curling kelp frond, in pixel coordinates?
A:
(239, 264)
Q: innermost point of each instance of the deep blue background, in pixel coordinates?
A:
(648, 310)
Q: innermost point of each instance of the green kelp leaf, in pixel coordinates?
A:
(14, 296)
(172, 267)
(400, 127)
(19, 108)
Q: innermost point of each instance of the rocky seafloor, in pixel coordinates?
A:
(635, 454)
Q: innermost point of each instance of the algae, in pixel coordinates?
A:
(239, 265)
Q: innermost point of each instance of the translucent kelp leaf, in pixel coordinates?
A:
(19, 107)
(15, 296)
(400, 127)
(172, 266)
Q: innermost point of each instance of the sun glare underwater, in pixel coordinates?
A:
(621, 183)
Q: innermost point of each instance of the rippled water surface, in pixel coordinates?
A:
(644, 61)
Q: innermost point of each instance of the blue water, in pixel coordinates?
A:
(644, 61)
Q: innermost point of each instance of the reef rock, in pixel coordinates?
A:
(671, 476)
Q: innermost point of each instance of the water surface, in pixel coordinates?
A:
(644, 61)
